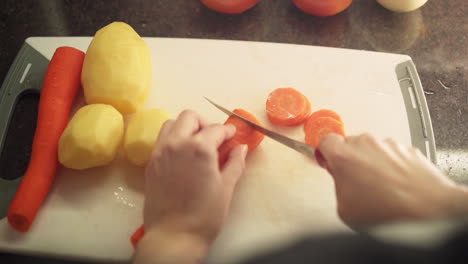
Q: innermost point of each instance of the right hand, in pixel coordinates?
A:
(382, 181)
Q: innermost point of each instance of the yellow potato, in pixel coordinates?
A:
(92, 137)
(117, 69)
(142, 132)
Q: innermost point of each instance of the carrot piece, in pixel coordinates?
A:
(137, 235)
(321, 113)
(307, 111)
(320, 127)
(287, 107)
(61, 84)
(244, 135)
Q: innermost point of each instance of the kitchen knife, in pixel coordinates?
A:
(289, 142)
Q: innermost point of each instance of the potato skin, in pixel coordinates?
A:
(117, 69)
(92, 137)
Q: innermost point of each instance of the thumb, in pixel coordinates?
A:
(235, 165)
(329, 147)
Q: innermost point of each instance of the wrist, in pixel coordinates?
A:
(160, 246)
(459, 204)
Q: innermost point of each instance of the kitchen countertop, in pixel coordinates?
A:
(435, 36)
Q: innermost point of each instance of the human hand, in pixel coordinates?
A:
(187, 194)
(382, 181)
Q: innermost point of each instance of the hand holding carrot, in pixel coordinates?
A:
(382, 181)
(187, 195)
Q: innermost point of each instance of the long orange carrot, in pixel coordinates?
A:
(61, 84)
(244, 135)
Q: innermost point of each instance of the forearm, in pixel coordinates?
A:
(159, 247)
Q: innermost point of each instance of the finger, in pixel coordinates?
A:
(203, 122)
(328, 149)
(187, 123)
(396, 147)
(352, 138)
(235, 165)
(166, 128)
(366, 141)
(164, 132)
(215, 135)
(362, 139)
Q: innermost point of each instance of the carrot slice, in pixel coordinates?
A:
(244, 135)
(287, 107)
(306, 113)
(320, 127)
(137, 235)
(321, 113)
(61, 84)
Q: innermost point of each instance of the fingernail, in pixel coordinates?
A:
(244, 150)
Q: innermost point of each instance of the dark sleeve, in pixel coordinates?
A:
(353, 249)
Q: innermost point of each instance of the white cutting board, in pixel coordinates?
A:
(283, 196)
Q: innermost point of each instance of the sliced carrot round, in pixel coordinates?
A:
(287, 107)
(245, 134)
(321, 113)
(319, 127)
(302, 118)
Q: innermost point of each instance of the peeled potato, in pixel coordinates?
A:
(92, 137)
(117, 69)
(142, 132)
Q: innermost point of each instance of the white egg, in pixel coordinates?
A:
(402, 5)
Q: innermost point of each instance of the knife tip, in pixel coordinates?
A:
(207, 99)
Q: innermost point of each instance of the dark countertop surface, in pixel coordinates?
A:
(435, 36)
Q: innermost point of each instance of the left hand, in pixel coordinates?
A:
(187, 194)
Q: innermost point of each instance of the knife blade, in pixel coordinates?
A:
(289, 142)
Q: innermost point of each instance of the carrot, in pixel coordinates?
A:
(287, 107)
(320, 127)
(61, 84)
(244, 135)
(321, 113)
(137, 235)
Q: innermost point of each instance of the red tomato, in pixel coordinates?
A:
(322, 7)
(230, 6)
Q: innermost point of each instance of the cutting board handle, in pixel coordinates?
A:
(25, 76)
(419, 119)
